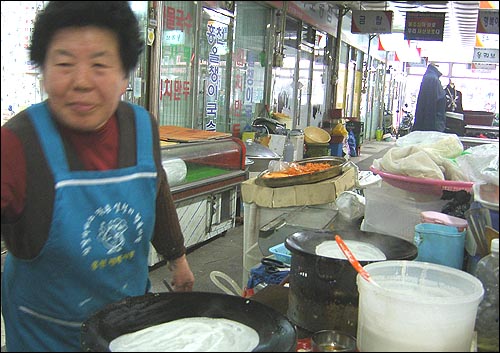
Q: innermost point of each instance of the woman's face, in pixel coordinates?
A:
(84, 76)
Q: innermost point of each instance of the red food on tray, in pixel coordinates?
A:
(306, 171)
(298, 169)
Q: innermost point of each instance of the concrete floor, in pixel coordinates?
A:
(225, 253)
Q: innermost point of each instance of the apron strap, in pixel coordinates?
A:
(49, 137)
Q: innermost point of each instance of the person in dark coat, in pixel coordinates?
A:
(431, 102)
(453, 99)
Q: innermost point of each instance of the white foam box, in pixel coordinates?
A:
(393, 211)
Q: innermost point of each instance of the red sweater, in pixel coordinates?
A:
(97, 151)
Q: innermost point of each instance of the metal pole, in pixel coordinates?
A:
(154, 78)
(338, 41)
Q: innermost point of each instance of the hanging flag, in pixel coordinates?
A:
(488, 4)
(380, 46)
(406, 51)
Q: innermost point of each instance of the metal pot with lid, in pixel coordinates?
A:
(323, 293)
(260, 155)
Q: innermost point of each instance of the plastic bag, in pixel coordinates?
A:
(480, 163)
(351, 205)
(278, 166)
(339, 130)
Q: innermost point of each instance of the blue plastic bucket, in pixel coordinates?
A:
(440, 244)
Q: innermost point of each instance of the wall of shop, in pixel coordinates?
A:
(223, 75)
(277, 57)
(217, 65)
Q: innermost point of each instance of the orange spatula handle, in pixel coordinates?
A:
(355, 263)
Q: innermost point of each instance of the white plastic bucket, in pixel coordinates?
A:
(418, 307)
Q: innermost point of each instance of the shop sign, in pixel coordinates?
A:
(422, 63)
(321, 15)
(487, 21)
(249, 82)
(173, 37)
(485, 55)
(177, 19)
(424, 26)
(482, 67)
(217, 40)
(244, 82)
(371, 21)
(175, 90)
(226, 6)
(176, 22)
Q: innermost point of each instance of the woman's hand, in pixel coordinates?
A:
(183, 278)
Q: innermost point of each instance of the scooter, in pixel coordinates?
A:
(406, 123)
(270, 125)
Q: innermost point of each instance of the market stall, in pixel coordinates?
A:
(321, 292)
(263, 204)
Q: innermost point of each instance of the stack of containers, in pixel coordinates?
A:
(394, 211)
(339, 134)
(316, 141)
(336, 144)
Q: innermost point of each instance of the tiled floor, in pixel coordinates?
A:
(224, 253)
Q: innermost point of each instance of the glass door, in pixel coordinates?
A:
(342, 78)
(177, 63)
(319, 81)
(304, 85)
(136, 90)
(250, 65)
(284, 95)
(349, 93)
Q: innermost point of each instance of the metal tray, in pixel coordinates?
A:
(337, 165)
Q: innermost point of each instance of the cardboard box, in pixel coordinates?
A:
(298, 195)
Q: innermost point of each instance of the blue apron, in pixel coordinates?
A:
(97, 249)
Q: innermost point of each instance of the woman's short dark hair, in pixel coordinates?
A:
(116, 16)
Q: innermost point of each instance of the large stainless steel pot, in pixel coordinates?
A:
(323, 293)
(260, 155)
(276, 332)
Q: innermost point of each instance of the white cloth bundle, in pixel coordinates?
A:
(176, 170)
(424, 154)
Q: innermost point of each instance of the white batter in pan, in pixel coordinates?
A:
(362, 251)
(193, 334)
